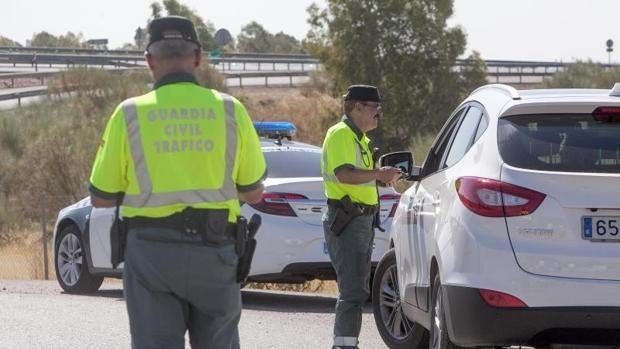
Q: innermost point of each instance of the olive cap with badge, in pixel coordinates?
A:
(362, 93)
(172, 27)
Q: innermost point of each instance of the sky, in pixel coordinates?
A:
(543, 30)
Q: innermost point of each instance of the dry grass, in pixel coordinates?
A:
(313, 286)
(23, 259)
(312, 112)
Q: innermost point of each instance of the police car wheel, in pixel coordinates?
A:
(396, 330)
(71, 265)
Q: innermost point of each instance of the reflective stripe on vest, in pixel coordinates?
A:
(147, 198)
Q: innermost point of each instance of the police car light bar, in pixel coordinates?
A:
(275, 129)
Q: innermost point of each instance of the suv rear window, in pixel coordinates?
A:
(567, 143)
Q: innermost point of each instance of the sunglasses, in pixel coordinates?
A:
(372, 105)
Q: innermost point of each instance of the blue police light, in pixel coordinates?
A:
(275, 129)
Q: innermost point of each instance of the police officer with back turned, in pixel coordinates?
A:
(350, 186)
(179, 159)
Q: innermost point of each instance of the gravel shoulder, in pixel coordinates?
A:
(37, 314)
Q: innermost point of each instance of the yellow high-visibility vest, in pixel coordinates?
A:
(180, 145)
(347, 147)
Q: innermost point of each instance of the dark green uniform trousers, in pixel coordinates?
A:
(350, 253)
(174, 284)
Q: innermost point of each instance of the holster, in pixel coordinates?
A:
(118, 237)
(346, 210)
(246, 245)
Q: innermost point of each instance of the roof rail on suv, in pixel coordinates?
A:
(509, 90)
(615, 91)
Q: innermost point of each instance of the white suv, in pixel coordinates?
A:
(509, 233)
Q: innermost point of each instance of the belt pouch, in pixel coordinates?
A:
(213, 226)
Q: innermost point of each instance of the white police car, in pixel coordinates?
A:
(291, 247)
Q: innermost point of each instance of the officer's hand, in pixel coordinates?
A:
(388, 174)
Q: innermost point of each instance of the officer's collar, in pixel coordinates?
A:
(172, 78)
(347, 120)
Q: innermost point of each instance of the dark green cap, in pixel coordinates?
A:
(172, 27)
(362, 93)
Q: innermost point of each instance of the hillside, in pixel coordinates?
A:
(47, 148)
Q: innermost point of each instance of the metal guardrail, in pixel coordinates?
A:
(240, 61)
(516, 71)
(66, 50)
(268, 61)
(141, 52)
(266, 75)
(513, 63)
(25, 75)
(70, 60)
(233, 64)
(43, 55)
(36, 59)
(20, 93)
(228, 75)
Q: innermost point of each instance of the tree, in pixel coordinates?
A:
(584, 75)
(140, 38)
(45, 39)
(284, 43)
(473, 74)
(71, 40)
(4, 41)
(406, 49)
(203, 29)
(255, 38)
(128, 46)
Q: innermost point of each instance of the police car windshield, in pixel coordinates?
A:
(289, 163)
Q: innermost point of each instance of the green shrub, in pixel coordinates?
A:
(584, 75)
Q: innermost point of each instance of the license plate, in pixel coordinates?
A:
(601, 228)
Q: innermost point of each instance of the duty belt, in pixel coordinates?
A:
(366, 210)
(211, 224)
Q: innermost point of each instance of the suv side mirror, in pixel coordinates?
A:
(404, 161)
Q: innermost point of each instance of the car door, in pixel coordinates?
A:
(100, 222)
(436, 192)
(412, 218)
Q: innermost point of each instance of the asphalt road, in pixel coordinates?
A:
(36, 314)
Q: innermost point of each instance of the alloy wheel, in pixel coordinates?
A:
(69, 259)
(390, 306)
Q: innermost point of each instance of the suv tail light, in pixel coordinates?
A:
(492, 198)
(501, 300)
(277, 203)
(395, 197)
